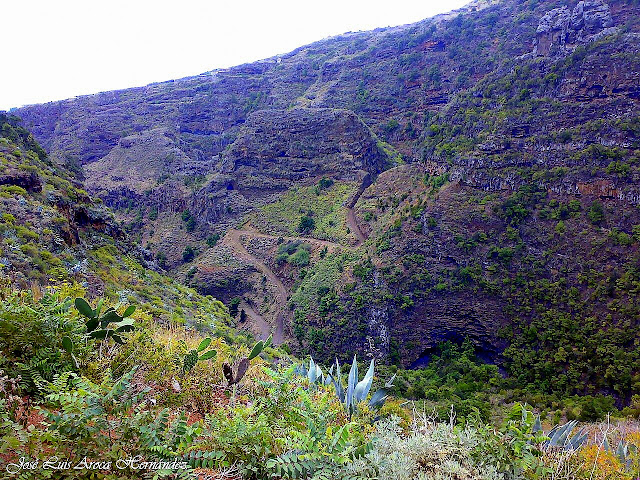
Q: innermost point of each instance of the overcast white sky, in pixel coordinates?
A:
(56, 49)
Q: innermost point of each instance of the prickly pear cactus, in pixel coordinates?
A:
(190, 360)
(227, 372)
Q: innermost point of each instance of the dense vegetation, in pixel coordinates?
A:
(507, 212)
(524, 231)
(182, 417)
(54, 232)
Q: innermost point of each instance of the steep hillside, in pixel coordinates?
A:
(472, 175)
(53, 232)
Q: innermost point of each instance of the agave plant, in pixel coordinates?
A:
(314, 373)
(560, 435)
(623, 451)
(356, 391)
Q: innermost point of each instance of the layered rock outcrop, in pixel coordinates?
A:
(278, 147)
(561, 29)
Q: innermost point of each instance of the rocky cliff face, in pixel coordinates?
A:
(500, 149)
(274, 151)
(277, 148)
(561, 30)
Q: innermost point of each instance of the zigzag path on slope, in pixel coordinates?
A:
(352, 223)
(233, 239)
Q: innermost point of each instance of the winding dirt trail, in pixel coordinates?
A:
(233, 239)
(251, 232)
(352, 222)
(258, 320)
(353, 226)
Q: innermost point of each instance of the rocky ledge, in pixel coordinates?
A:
(277, 147)
(561, 30)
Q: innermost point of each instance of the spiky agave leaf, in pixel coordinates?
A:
(313, 372)
(525, 414)
(537, 425)
(378, 398)
(328, 379)
(565, 437)
(550, 435)
(577, 440)
(351, 385)
(622, 451)
(319, 375)
(389, 383)
(337, 383)
(560, 435)
(362, 388)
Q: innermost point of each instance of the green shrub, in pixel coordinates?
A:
(618, 168)
(306, 225)
(33, 332)
(595, 213)
(189, 221)
(212, 240)
(161, 258)
(325, 183)
(8, 218)
(26, 234)
(188, 254)
(442, 450)
(300, 258)
(233, 306)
